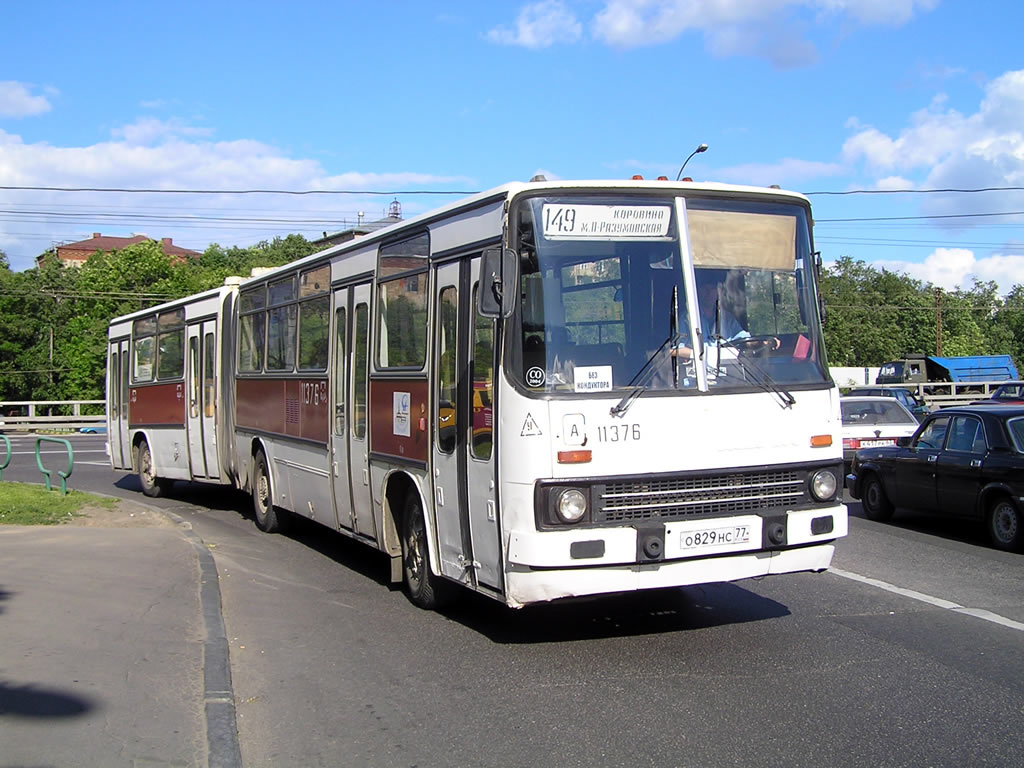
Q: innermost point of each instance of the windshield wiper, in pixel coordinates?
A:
(757, 374)
(623, 405)
(673, 339)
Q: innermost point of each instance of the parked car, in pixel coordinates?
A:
(1010, 393)
(870, 422)
(906, 398)
(965, 461)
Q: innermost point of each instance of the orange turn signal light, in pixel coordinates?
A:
(821, 441)
(574, 457)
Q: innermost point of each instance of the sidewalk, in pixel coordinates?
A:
(109, 648)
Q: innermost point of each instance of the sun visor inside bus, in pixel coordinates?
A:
(736, 239)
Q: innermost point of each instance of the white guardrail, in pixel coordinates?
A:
(50, 415)
(943, 394)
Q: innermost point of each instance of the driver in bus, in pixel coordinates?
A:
(711, 284)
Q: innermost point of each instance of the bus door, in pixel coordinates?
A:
(358, 430)
(117, 404)
(463, 457)
(481, 471)
(451, 510)
(201, 376)
(340, 367)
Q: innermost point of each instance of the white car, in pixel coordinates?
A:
(869, 422)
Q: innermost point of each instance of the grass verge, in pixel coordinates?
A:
(24, 504)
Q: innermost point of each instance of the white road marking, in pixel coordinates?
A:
(938, 602)
(62, 453)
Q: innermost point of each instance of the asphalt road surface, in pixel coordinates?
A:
(909, 652)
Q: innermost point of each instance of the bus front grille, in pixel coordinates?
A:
(698, 496)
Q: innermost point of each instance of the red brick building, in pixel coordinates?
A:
(76, 254)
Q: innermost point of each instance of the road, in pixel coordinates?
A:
(908, 653)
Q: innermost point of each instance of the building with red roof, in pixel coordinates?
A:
(76, 254)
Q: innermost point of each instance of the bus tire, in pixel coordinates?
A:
(876, 504)
(269, 518)
(1005, 526)
(421, 586)
(152, 485)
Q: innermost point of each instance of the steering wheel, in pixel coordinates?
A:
(755, 346)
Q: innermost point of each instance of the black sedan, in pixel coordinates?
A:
(966, 462)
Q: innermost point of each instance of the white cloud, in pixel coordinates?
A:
(17, 100)
(894, 182)
(888, 12)
(953, 268)
(943, 149)
(767, 29)
(150, 130)
(153, 154)
(540, 25)
(788, 172)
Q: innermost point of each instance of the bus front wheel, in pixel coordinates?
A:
(152, 485)
(269, 518)
(421, 585)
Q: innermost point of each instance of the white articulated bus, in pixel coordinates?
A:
(547, 390)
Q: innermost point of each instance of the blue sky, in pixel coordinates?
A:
(813, 95)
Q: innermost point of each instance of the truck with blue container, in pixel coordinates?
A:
(918, 369)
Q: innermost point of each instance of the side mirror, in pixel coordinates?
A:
(499, 282)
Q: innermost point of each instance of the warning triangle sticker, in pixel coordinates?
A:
(530, 427)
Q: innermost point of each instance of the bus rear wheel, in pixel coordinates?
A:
(269, 518)
(152, 485)
(421, 586)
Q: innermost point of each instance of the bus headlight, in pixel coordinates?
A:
(571, 506)
(824, 484)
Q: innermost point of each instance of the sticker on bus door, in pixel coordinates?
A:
(401, 414)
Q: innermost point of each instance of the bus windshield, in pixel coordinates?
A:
(614, 299)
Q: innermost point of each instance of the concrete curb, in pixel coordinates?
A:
(223, 750)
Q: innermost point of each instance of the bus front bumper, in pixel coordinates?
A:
(546, 565)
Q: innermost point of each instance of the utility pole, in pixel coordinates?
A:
(938, 321)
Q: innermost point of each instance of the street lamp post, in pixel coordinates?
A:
(697, 151)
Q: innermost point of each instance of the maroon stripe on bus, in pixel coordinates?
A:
(398, 406)
(291, 407)
(157, 404)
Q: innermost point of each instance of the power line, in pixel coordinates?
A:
(921, 218)
(131, 190)
(915, 191)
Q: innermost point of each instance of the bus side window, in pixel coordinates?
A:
(359, 349)
(340, 359)
(447, 370)
(483, 384)
(209, 375)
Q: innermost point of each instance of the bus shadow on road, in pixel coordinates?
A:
(605, 616)
(221, 498)
(676, 609)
